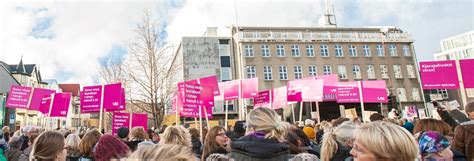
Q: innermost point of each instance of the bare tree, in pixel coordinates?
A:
(151, 69)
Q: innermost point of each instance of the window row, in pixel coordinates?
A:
(324, 50)
(402, 94)
(251, 71)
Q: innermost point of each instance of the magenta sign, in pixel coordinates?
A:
(91, 98)
(312, 90)
(249, 87)
(263, 99)
(140, 120)
(61, 102)
(348, 92)
(294, 91)
(467, 70)
(37, 98)
(279, 97)
(18, 97)
(374, 91)
(120, 120)
(112, 96)
(439, 75)
(45, 104)
(231, 89)
(122, 106)
(211, 82)
(330, 86)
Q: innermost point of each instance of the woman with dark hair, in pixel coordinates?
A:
(299, 142)
(49, 146)
(216, 142)
(196, 142)
(137, 135)
(109, 147)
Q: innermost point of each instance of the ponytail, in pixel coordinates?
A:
(279, 130)
(329, 145)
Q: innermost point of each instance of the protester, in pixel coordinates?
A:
(298, 141)
(196, 142)
(48, 146)
(304, 157)
(464, 134)
(176, 135)
(3, 147)
(433, 145)
(137, 135)
(393, 114)
(26, 153)
(72, 144)
(337, 142)
(383, 141)
(429, 124)
(376, 117)
(239, 131)
(122, 134)
(216, 142)
(13, 153)
(109, 147)
(408, 126)
(168, 152)
(338, 121)
(264, 139)
(319, 134)
(27, 131)
(6, 133)
(88, 142)
(309, 129)
(218, 157)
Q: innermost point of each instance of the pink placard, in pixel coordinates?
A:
(439, 75)
(37, 98)
(123, 104)
(91, 99)
(263, 99)
(119, 120)
(312, 90)
(45, 103)
(18, 97)
(348, 92)
(112, 96)
(231, 89)
(374, 91)
(467, 70)
(249, 88)
(330, 86)
(210, 81)
(279, 97)
(140, 120)
(294, 93)
(61, 104)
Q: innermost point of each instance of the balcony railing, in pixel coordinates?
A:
(247, 36)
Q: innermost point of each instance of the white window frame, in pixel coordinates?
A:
(265, 50)
(280, 50)
(402, 94)
(384, 71)
(366, 49)
(251, 72)
(248, 49)
(313, 70)
(324, 50)
(380, 50)
(370, 71)
(393, 50)
(444, 93)
(352, 50)
(397, 71)
(327, 70)
(356, 74)
(470, 92)
(411, 71)
(338, 50)
(267, 73)
(310, 50)
(298, 71)
(342, 72)
(406, 50)
(295, 50)
(283, 72)
(415, 94)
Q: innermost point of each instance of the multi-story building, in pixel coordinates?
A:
(73, 118)
(7, 115)
(456, 48)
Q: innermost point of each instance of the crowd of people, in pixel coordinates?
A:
(263, 136)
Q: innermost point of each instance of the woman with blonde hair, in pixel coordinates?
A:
(264, 139)
(137, 135)
(216, 142)
(337, 142)
(48, 146)
(383, 141)
(176, 135)
(87, 145)
(168, 152)
(72, 144)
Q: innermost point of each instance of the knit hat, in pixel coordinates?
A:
(123, 132)
(432, 142)
(309, 132)
(308, 122)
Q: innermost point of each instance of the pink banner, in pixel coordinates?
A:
(294, 93)
(37, 98)
(91, 99)
(112, 96)
(263, 99)
(45, 104)
(249, 88)
(210, 81)
(374, 91)
(330, 86)
(230, 89)
(279, 97)
(439, 75)
(467, 70)
(61, 104)
(120, 120)
(312, 90)
(348, 92)
(123, 104)
(18, 97)
(140, 120)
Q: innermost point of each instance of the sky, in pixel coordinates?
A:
(70, 39)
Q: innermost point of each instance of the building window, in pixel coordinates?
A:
(280, 51)
(327, 70)
(312, 70)
(248, 50)
(324, 51)
(298, 72)
(406, 50)
(393, 50)
(265, 51)
(283, 72)
(366, 49)
(397, 71)
(352, 51)
(226, 74)
(443, 93)
(370, 71)
(267, 73)
(356, 72)
(295, 50)
(470, 92)
(251, 72)
(415, 93)
(310, 50)
(384, 71)
(402, 94)
(380, 50)
(411, 71)
(338, 49)
(341, 71)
